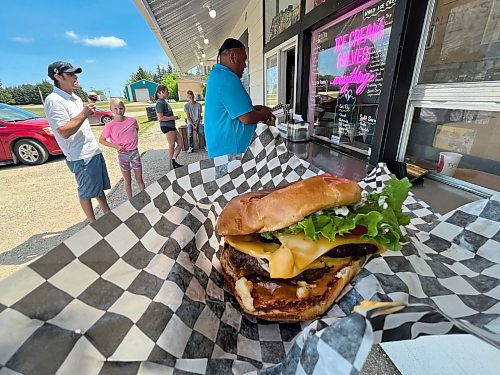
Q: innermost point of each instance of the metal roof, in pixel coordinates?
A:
(181, 26)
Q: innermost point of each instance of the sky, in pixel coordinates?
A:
(108, 39)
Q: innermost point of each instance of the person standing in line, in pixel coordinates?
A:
(193, 111)
(68, 119)
(230, 117)
(123, 135)
(167, 124)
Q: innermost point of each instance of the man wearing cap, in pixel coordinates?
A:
(230, 117)
(68, 118)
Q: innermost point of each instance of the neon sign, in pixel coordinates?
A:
(356, 77)
(359, 41)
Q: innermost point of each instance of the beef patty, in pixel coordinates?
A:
(248, 265)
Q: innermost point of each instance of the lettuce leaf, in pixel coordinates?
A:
(380, 213)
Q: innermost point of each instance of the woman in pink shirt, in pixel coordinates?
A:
(123, 136)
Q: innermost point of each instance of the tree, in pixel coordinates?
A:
(171, 82)
(81, 93)
(140, 74)
(169, 69)
(160, 73)
(5, 96)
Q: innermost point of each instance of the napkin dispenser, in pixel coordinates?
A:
(297, 131)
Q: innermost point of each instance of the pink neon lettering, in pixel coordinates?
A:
(356, 56)
(356, 77)
(358, 37)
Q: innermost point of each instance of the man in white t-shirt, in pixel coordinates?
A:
(68, 118)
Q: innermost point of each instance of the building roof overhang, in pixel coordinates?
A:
(181, 26)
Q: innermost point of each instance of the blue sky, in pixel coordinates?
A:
(109, 39)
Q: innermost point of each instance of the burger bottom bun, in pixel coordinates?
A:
(304, 309)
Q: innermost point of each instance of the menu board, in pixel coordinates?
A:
(347, 70)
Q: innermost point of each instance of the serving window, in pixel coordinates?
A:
(348, 59)
(453, 116)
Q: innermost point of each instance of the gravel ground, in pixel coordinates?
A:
(40, 206)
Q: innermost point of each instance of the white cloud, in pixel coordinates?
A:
(100, 41)
(21, 39)
(104, 41)
(72, 35)
(89, 61)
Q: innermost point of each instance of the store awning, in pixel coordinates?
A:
(182, 25)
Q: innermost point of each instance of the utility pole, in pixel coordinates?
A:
(109, 92)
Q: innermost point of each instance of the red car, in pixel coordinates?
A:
(25, 137)
(100, 116)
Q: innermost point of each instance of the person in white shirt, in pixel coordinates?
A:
(68, 118)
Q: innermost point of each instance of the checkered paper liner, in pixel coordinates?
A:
(140, 291)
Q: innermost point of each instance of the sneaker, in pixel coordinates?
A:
(175, 164)
(190, 149)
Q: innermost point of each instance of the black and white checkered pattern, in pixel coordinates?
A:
(139, 291)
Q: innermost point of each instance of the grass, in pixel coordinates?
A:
(177, 107)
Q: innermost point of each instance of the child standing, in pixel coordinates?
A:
(122, 133)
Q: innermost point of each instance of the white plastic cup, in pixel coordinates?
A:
(448, 163)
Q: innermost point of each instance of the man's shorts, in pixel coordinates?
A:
(91, 176)
(129, 159)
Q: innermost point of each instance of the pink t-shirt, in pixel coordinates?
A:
(122, 133)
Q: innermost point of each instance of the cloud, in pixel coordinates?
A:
(104, 41)
(21, 39)
(101, 41)
(89, 61)
(72, 35)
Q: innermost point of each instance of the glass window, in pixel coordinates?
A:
(311, 4)
(347, 69)
(272, 81)
(463, 44)
(280, 15)
(465, 142)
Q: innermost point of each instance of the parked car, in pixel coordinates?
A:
(25, 137)
(325, 104)
(101, 116)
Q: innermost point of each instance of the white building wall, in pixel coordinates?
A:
(252, 19)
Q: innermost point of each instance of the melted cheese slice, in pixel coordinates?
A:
(296, 254)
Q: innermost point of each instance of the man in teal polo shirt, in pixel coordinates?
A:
(230, 117)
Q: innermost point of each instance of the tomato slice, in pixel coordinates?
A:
(359, 230)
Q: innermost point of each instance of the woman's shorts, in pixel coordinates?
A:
(166, 129)
(128, 159)
(91, 176)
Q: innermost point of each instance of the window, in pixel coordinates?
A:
(463, 43)
(280, 68)
(280, 15)
(347, 69)
(272, 81)
(454, 103)
(472, 135)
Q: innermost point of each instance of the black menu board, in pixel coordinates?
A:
(347, 69)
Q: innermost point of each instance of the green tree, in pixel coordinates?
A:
(159, 74)
(5, 96)
(140, 74)
(169, 69)
(81, 93)
(171, 82)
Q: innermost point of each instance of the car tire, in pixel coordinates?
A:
(30, 152)
(105, 119)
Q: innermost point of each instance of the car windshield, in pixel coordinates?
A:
(10, 113)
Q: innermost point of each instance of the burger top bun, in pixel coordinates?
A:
(270, 210)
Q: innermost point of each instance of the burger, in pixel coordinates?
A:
(289, 251)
